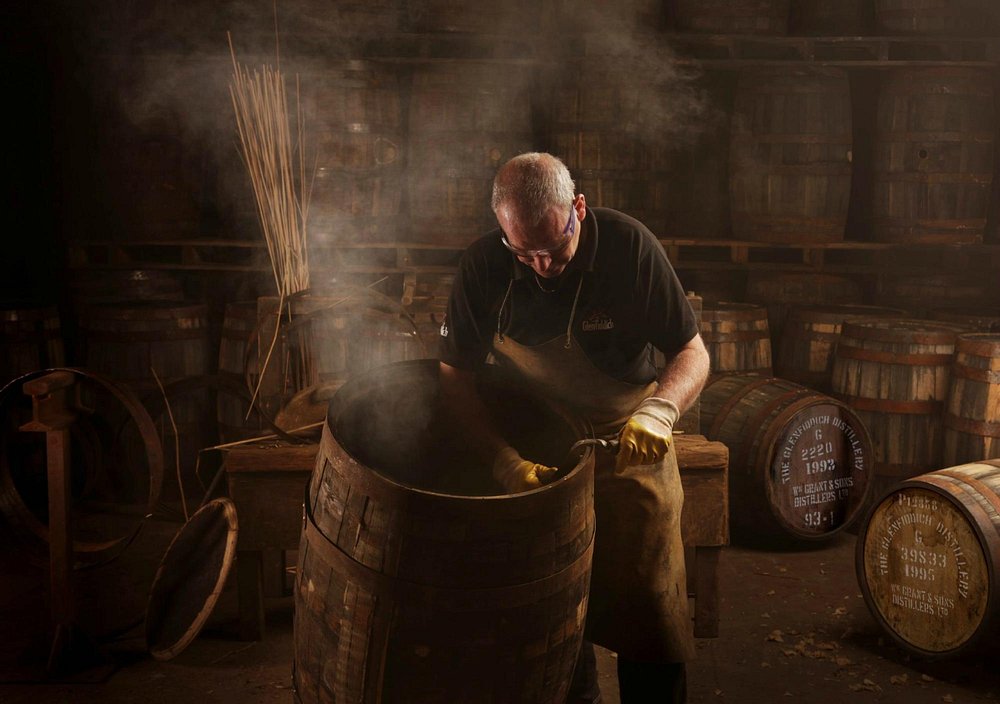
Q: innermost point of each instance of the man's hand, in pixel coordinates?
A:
(517, 474)
(646, 436)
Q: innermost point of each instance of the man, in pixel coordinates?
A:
(568, 301)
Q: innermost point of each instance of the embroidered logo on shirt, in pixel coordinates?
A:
(444, 327)
(598, 321)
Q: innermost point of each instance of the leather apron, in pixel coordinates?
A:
(638, 604)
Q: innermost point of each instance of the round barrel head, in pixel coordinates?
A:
(922, 567)
(190, 578)
(820, 469)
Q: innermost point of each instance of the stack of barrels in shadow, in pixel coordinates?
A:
(239, 346)
(161, 351)
(790, 155)
(31, 338)
(935, 17)
(924, 293)
(778, 292)
(731, 17)
(610, 121)
(356, 110)
(933, 163)
(976, 318)
(463, 124)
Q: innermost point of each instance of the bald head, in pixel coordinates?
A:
(530, 184)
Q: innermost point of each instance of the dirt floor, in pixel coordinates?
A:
(794, 627)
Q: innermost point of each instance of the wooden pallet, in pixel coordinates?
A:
(723, 50)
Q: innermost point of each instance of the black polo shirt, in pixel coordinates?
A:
(630, 300)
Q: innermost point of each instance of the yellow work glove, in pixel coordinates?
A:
(517, 474)
(646, 436)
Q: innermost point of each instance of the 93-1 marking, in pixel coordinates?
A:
(815, 519)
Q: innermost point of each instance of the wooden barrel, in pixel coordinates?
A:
(457, 139)
(153, 174)
(935, 17)
(633, 16)
(780, 291)
(352, 22)
(809, 337)
(427, 302)
(977, 319)
(895, 373)
(737, 338)
(926, 560)
(89, 287)
(790, 155)
(409, 591)
(830, 18)
(128, 342)
(933, 163)
(239, 325)
(800, 462)
(731, 16)
(355, 110)
(714, 285)
(514, 17)
(921, 293)
(30, 339)
(327, 338)
(972, 409)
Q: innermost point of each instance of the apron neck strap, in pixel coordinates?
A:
(569, 323)
(572, 313)
(503, 303)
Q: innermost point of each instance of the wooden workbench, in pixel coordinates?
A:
(267, 482)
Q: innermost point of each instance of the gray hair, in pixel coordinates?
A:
(531, 184)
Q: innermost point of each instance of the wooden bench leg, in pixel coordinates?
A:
(273, 564)
(706, 603)
(249, 576)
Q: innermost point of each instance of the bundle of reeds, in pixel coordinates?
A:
(276, 166)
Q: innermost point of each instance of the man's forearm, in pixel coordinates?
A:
(684, 375)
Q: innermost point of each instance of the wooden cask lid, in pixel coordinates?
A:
(925, 559)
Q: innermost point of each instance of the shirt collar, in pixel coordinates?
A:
(586, 251)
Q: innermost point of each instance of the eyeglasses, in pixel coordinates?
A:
(567, 231)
